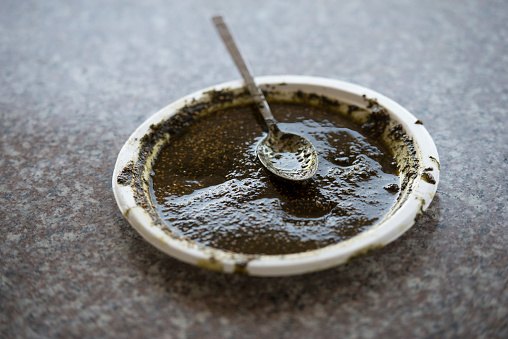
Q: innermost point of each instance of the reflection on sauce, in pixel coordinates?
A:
(208, 186)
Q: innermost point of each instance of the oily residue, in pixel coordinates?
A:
(304, 212)
(241, 267)
(377, 122)
(211, 264)
(436, 162)
(209, 187)
(428, 177)
(125, 176)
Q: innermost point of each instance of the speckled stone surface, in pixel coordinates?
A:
(76, 79)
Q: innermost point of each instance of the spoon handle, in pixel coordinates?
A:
(243, 67)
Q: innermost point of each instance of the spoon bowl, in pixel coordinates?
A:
(287, 155)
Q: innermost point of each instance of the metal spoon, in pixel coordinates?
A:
(287, 155)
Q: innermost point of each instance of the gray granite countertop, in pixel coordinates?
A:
(78, 77)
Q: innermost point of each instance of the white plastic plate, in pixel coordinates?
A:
(418, 198)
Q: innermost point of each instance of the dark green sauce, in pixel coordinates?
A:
(208, 186)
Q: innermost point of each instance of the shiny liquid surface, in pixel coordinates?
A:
(208, 186)
(288, 161)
